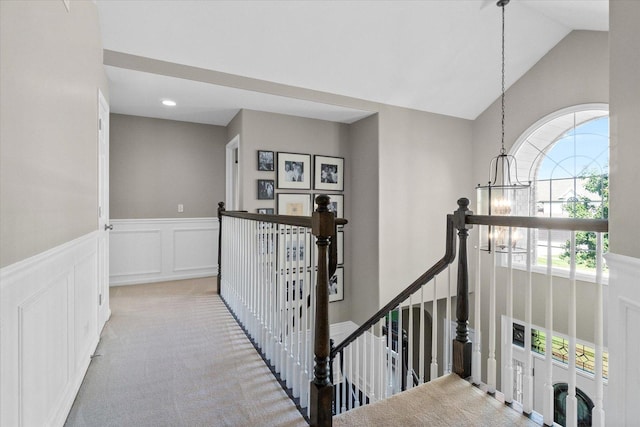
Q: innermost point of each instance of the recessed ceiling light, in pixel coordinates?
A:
(169, 103)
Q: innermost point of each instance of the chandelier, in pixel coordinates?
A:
(504, 194)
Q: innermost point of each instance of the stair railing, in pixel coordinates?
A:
(397, 347)
(555, 355)
(275, 282)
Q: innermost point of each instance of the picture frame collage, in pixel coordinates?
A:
(291, 188)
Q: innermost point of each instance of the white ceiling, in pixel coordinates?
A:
(436, 56)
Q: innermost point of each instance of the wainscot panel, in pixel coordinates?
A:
(624, 346)
(49, 330)
(157, 249)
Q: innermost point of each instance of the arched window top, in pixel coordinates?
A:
(567, 143)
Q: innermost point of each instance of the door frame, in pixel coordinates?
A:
(102, 296)
(232, 172)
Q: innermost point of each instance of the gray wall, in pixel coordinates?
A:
(625, 127)
(156, 164)
(361, 240)
(50, 72)
(283, 133)
(424, 168)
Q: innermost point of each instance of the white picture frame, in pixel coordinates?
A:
(295, 204)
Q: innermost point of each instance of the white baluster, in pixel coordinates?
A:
(389, 391)
(410, 347)
(448, 340)
(372, 378)
(572, 401)
(491, 362)
(421, 348)
(355, 374)
(507, 380)
(476, 360)
(597, 413)
(527, 403)
(548, 386)
(434, 333)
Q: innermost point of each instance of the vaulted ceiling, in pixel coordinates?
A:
(436, 56)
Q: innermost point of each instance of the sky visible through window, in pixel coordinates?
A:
(580, 151)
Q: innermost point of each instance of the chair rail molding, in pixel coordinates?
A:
(159, 249)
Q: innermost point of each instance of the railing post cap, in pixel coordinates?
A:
(323, 202)
(460, 214)
(463, 203)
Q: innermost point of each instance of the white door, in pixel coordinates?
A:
(103, 211)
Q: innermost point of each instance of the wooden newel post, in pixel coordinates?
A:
(220, 210)
(461, 344)
(321, 389)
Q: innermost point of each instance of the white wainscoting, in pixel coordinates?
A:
(155, 250)
(49, 329)
(624, 340)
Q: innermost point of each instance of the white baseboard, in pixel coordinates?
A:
(49, 328)
(157, 249)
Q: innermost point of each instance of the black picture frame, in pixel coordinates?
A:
(266, 160)
(294, 171)
(328, 173)
(266, 189)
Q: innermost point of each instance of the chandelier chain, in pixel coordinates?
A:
(502, 150)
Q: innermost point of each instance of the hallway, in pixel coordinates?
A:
(172, 355)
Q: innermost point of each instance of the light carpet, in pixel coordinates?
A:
(172, 355)
(447, 401)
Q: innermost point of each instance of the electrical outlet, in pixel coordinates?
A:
(180, 208)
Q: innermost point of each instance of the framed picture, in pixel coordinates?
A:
(336, 204)
(265, 211)
(294, 171)
(266, 189)
(294, 204)
(336, 285)
(265, 160)
(329, 173)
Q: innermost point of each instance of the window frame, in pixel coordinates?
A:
(581, 275)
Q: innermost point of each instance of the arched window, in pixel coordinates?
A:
(566, 158)
(585, 405)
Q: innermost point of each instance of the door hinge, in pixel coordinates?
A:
(99, 124)
(100, 299)
(99, 211)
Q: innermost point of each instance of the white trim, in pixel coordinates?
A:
(161, 249)
(232, 180)
(559, 113)
(49, 307)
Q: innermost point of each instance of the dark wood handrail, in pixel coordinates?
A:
(449, 256)
(298, 221)
(572, 224)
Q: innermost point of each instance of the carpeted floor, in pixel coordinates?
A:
(447, 401)
(172, 355)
